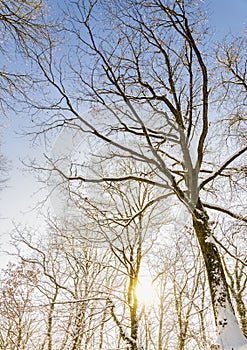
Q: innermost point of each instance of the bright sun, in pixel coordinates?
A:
(145, 292)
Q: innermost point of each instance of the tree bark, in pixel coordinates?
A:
(230, 335)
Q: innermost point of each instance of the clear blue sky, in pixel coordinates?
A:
(225, 16)
(228, 16)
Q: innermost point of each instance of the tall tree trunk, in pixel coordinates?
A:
(230, 335)
(133, 306)
(237, 284)
(80, 325)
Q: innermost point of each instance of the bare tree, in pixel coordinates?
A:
(127, 223)
(143, 71)
(22, 26)
(18, 325)
(181, 314)
(71, 293)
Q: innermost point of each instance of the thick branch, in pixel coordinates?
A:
(225, 211)
(223, 167)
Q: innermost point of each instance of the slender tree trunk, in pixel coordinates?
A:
(161, 320)
(133, 305)
(50, 319)
(79, 326)
(237, 285)
(101, 337)
(229, 332)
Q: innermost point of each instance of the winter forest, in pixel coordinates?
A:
(139, 238)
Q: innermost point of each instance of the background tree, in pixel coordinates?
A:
(82, 296)
(124, 223)
(22, 26)
(18, 326)
(69, 292)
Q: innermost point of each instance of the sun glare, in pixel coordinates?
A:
(145, 292)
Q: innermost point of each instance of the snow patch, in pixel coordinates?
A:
(210, 239)
(230, 336)
(244, 347)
